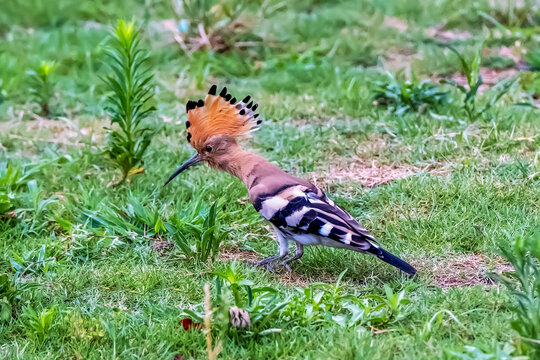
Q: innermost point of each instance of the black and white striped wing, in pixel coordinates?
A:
(298, 209)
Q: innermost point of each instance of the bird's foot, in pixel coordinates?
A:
(266, 264)
(270, 264)
(286, 265)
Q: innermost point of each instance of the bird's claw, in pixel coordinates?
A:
(285, 265)
(268, 265)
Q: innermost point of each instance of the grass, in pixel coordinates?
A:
(90, 271)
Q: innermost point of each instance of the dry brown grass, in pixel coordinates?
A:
(464, 270)
(294, 279)
(446, 36)
(372, 173)
(490, 77)
(161, 246)
(235, 254)
(60, 132)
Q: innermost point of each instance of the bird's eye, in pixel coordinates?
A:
(208, 148)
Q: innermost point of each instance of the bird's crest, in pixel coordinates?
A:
(219, 115)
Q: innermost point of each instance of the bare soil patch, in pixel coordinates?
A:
(446, 36)
(466, 270)
(294, 279)
(59, 129)
(235, 254)
(55, 131)
(372, 173)
(161, 246)
(398, 59)
(490, 77)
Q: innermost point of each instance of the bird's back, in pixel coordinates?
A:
(298, 207)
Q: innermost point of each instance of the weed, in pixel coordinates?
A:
(8, 297)
(513, 14)
(34, 208)
(235, 281)
(323, 303)
(533, 58)
(12, 178)
(474, 80)
(524, 284)
(128, 104)
(12, 290)
(90, 244)
(83, 327)
(475, 353)
(132, 218)
(409, 95)
(38, 325)
(203, 228)
(33, 262)
(42, 85)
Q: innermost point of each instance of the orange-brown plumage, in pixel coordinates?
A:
(219, 115)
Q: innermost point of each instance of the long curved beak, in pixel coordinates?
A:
(189, 163)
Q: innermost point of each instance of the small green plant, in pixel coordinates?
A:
(12, 177)
(474, 81)
(260, 306)
(204, 228)
(235, 281)
(6, 204)
(8, 293)
(3, 92)
(34, 207)
(474, 353)
(129, 102)
(323, 303)
(524, 285)
(132, 218)
(83, 328)
(42, 85)
(406, 96)
(33, 262)
(11, 292)
(38, 325)
(533, 58)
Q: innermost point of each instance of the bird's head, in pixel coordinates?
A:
(213, 126)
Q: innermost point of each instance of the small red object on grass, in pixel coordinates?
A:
(188, 324)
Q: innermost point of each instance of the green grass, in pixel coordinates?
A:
(83, 252)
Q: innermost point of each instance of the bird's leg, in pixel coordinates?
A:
(299, 254)
(283, 250)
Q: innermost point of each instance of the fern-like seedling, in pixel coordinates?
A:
(129, 102)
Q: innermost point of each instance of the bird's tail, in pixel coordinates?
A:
(392, 260)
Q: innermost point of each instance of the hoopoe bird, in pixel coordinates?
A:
(298, 211)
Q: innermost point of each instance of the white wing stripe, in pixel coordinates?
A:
(294, 218)
(271, 206)
(325, 230)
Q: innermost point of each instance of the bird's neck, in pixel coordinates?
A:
(243, 165)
